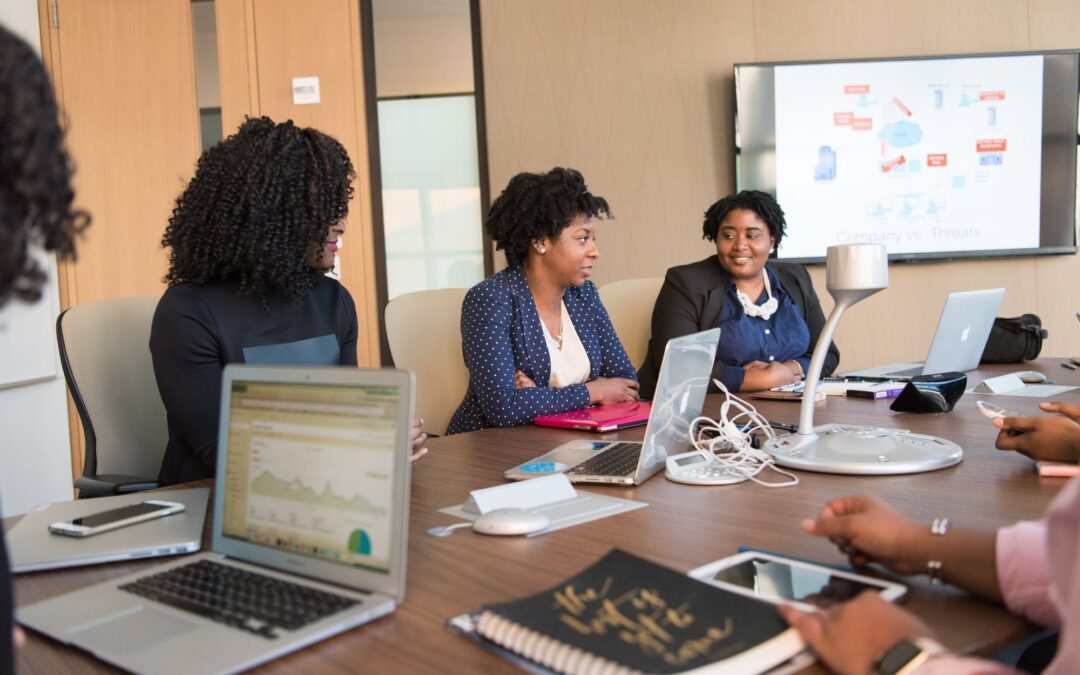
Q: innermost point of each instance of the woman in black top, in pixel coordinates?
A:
(251, 239)
(35, 208)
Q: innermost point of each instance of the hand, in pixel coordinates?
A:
(759, 375)
(605, 390)
(867, 530)
(523, 381)
(1054, 439)
(756, 365)
(850, 637)
(18, 637)
(417, 439)
(1066, 409)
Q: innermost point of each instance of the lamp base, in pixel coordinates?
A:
(865, 450)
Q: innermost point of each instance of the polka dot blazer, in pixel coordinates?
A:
(501, 334)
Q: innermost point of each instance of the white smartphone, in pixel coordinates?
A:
(777, 579)
(103, 521)
(992, 411)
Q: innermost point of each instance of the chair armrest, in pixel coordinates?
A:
(112, 484)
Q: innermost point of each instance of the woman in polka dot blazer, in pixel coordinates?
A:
(535, 336)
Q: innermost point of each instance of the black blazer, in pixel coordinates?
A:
(693, 296)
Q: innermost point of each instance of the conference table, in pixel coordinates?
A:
(683, 527)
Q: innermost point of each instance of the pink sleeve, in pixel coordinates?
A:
(950, 664)
(1024, 572)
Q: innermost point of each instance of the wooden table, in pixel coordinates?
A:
(684, 526)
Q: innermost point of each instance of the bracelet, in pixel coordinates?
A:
(800, 374)
(939, 528)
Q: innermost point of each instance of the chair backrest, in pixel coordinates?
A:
(424, 332)
(629, 303)
(105, 351)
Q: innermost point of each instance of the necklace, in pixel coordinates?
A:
(764, 310)
(557, 339)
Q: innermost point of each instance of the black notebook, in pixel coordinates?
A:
(626, 614)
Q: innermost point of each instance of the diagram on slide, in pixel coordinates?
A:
(922, 156)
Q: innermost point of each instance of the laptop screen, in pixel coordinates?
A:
(310, 469)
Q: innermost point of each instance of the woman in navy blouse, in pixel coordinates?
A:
(535, 337)
(768, 314)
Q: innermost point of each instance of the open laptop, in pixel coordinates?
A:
(959, 341)
(310, 521)
(599, 418)
(34, 548)
(680, 394)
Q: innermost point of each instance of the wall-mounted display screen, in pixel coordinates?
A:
(941, 157)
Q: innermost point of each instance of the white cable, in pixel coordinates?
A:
(731, 446)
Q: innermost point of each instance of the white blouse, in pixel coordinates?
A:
(569, 361)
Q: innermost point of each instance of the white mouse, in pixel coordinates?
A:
(511, 521)
(1031, 376)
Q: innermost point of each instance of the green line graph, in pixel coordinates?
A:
(269, 485)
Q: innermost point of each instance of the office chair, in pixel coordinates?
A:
(629, 303)
(105, 354)
(424, 332)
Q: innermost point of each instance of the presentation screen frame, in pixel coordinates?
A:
(756, 149)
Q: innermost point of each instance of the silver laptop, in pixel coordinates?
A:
(680, 394)
(34, 548)
(959, 341)
(310, 521)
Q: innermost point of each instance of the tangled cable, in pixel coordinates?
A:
(727, 441)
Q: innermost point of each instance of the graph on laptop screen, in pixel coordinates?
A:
(310, 468)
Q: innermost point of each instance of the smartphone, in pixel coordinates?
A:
(777, 579)
(96, 523)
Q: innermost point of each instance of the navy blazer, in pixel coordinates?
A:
(501, 334)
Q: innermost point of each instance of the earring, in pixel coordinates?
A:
(542, 250)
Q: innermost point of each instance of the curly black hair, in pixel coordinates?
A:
(538, 205)
(761, 203)
(35, 173)
(258, 200)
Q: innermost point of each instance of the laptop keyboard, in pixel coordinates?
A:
(620, 459)
(235, 597)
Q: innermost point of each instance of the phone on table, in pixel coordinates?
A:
(103, 521)
(993, 411)
(778, 579)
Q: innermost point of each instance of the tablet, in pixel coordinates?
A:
(777, 579)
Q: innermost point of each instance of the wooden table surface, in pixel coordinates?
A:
(684, 526)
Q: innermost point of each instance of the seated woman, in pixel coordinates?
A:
(768, 314)
(535, 336)
(251, 239)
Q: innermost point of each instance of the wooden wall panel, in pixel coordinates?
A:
(639, 96)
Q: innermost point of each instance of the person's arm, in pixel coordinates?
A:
(867, 530)
(1055, 439)
(758, 375)
(486, 324)
(348, 328)
(187, 366)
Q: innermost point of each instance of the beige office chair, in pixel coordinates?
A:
(424, 332)
(105, 353)
(629, 303)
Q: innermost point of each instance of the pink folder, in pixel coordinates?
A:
(600, 417)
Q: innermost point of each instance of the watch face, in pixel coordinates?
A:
(897, 656)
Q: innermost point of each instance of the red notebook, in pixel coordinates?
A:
(600, 417)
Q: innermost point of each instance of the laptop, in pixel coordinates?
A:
(309, 535)
(34, 548)
(959, 341)
(680, 394)
(599, 418)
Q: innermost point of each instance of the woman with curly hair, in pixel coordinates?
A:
(35, 212)
(251, 239)
(535, 336)
(767, 311)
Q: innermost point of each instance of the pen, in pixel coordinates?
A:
(1068, 364)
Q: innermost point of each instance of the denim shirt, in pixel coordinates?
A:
(743, 338)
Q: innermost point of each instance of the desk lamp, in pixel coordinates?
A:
(855, 272)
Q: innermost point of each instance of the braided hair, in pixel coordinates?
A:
(257, 202)
(35, 173)
(538, 205)
(761, 203)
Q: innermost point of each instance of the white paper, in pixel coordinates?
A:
(305, 90)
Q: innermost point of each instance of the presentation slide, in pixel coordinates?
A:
(916, 155)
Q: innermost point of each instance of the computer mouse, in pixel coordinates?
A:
(511, 521)
(1031, 376)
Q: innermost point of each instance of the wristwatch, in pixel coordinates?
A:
(906, 655)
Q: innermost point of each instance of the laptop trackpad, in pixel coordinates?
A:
(131, 631)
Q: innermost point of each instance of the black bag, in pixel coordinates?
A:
(1014, 340)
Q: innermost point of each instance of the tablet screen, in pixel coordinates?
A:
(778, 579)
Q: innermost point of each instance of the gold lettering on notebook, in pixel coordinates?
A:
(640, 617)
